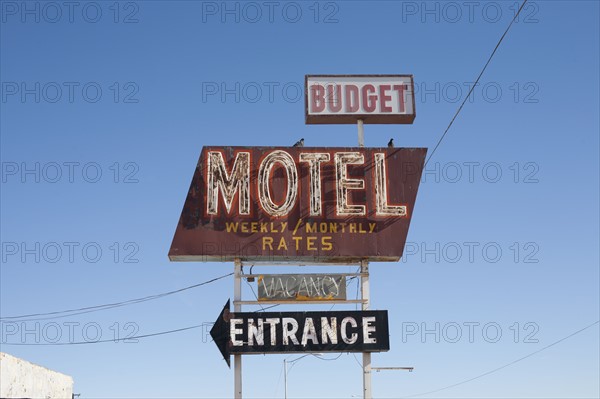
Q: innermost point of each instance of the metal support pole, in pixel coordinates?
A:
(366, 357)
(237, 307)
(285, 378)
(361, 133)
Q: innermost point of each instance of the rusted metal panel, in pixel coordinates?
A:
(300, 204)
(374, 99)
(301, 287)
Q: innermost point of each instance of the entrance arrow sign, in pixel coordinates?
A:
(291, 332)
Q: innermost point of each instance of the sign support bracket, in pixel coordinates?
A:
(361, 133)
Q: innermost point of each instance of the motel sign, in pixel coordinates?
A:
(327, 205)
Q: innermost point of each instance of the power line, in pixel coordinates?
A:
(298, 358)
(476, 81)
(328, 360)
(89, 309)
(107, 340)
(255, 296)
(506, 365)
(279, 379)
(268, 307)
(357, 362)
(293, 362)
(262, 308)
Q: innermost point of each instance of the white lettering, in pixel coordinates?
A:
(381, 196)
(289, 333)
(234, 332)
(264, 177)
(273, 322)
(255, 331)
(329, 330)
(354, 336)
(368, 329)
(314, 160)
(218, 180)
(344, 184)
(309, 332)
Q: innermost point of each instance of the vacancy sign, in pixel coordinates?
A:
(345, 99)
(301, 287)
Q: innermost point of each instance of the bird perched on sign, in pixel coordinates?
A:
(391, 143)
(299, 143)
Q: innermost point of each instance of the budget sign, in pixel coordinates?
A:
(344, 99)
(323, 205)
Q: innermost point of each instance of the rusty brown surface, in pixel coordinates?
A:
(201, 236)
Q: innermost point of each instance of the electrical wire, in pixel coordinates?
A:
(293, 362)
(298, 358)
(106, 340)
(96, 308)
(476, 82)
(262, 309)
(348, 282)
(255, 296)
(506, 365)
(269, 307)
(327, 360)
(279, 379)
(357, 362)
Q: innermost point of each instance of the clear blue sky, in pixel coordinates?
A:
(534, 118)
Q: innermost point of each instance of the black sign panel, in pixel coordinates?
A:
(288, 332)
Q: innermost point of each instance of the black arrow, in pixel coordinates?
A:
(220, 333)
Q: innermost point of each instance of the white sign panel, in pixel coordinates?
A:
(344, 99)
